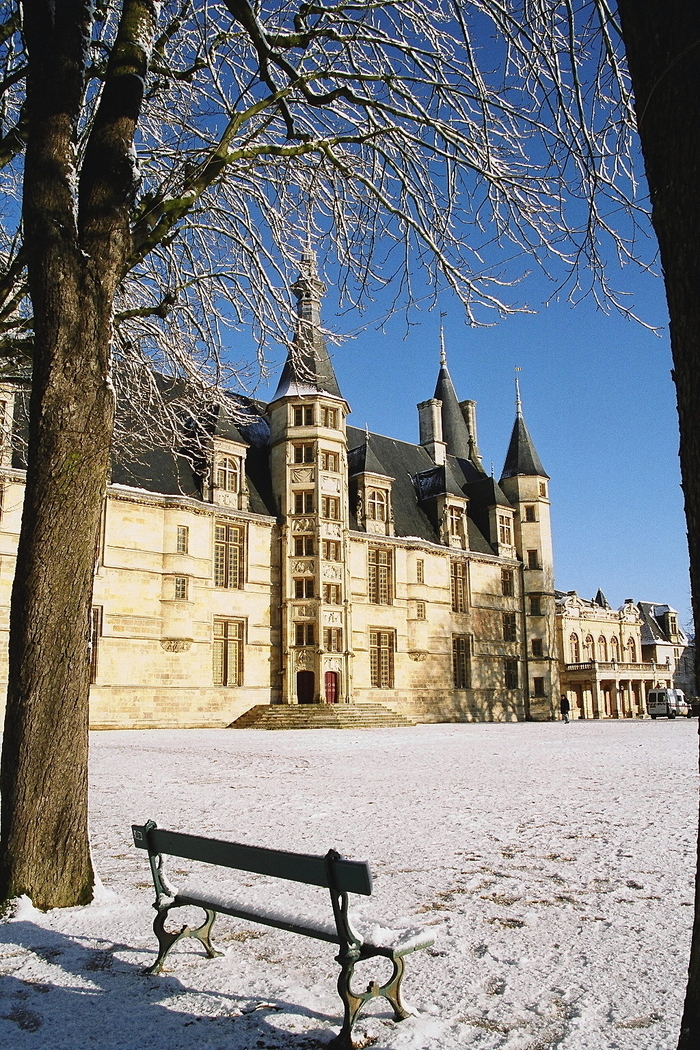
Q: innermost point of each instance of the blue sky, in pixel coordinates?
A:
(599, 403)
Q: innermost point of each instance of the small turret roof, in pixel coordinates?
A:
(454, 430)
(521, 457)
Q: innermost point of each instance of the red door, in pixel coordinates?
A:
(305, 687)
(331, 687)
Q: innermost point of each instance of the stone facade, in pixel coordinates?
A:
(305, 561)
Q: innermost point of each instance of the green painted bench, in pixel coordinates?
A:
(335, 873)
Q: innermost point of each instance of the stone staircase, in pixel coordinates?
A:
(320, 716)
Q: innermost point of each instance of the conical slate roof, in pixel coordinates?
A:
(308, 368)
(363, 460)
(454, 430)
(521, 457)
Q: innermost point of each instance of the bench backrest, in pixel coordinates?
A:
(350, 876)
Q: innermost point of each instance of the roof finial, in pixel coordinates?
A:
(518, 402)
(366, 433)
(443, 355)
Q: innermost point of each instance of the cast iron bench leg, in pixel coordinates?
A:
(353, 1002)
(167, 940)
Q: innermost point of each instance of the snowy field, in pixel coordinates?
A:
(554, 864)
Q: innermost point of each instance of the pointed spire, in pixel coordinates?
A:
(308, 367)
(521, 457)
(454, 430)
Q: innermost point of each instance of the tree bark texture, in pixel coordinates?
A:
(76, 241)
(663, 50)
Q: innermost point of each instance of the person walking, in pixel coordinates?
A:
(564, 707)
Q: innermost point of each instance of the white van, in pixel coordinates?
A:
(667, 703)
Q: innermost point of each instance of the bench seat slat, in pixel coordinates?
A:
(351, 876)
(261, 915)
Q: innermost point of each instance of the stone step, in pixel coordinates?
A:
(320, 716)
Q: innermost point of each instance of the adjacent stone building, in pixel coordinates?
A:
(303, 561)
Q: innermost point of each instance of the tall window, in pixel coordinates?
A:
(538, 686)
(420, 571)
(303, 546)
(304, 502)
(331, 550)
(575, 649)
(183, 539)
(535, 605)
(530, 513)
(330, 507)
(379, 576)
(333, 639)
(304, 453)
(329, 418)
(543, 489)
(303, 415)
(95, 632)
(510, 672)
(615, 650)
(533, 561)
(510, 630)
(331, 593)
(420, 610)
(181, 588)
(227, 652)
(507, 587)
(329, 461)
(589, 648)
(381, 659)
(458, 575)
(602, 649)
(304, 634)
(376, 505)
(303, 587)
(631, 651)
(227, 474)
(228, 556)
(455, 517)
(505, 530)
(537, 650)
(460, 661)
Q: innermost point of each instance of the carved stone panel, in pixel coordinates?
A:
(227, 499)
(303, 611)
(332, 619)
(378, 527)
(302, 524)
(331, 530)
(332, 572)
(176, 645)
(303, 475)
(330, 485)
(303, 659)
(334, 664)
(301, 567)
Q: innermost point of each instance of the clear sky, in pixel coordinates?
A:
(598, 400)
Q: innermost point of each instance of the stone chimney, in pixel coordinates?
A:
(430, 429)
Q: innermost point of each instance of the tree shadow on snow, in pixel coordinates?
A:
(72, 994)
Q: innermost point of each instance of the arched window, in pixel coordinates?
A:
(575, 649)
(631, 651)
(615, 649)
(376, 505)
(589, 648)
(602, 650)
(227, 474)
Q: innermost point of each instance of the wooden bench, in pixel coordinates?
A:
(335, 873)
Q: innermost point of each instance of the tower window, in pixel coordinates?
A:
(420, 571)
(304, 502)
(535, 605)
(304, 587)
(304, 634)
(510, 672)
(331, 550)
(538, 687)
(330, 507)
(331, 593)
(543, 489)
(537, 647)
(333, 639)
(303, 415)
(507, 588)
(530, 513)
(329, 418)
(181, 588)
(533, 560)
(303, 546)
(304, 453)
(183, 539)
(420, 610)
(329, 461)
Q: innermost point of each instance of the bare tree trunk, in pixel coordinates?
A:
(76, 245)
(663, 51)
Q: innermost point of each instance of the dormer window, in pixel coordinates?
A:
(455, 519)
(329, 418)
(228, 474)
(377, 505)
(505, 530)
(329, 461)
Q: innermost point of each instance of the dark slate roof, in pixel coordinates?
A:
(363, 459)
(308, 371)
(454, 429)
(521, 457)
(601, 600)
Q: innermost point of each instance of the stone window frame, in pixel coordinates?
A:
(382, 649)
(461, 661)
(380, 575)
(228, 645)
(229, 555)
(182, 541)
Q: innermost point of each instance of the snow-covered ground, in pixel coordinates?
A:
(553, 862)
